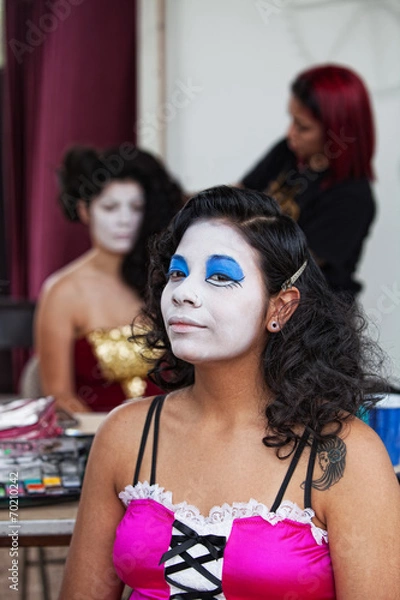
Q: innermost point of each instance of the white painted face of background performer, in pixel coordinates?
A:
(214, 305)
(116, 215)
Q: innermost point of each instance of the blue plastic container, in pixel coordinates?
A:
(385, 420)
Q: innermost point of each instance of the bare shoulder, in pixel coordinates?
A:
(64, 291)
(122, 429)
(365, 449)
(352, 470)
(64, 282)
(352, 461)
(126, 419)
(360, 504)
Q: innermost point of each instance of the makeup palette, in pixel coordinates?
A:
(42, 471)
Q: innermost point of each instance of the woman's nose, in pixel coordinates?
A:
(290, 131)
(185, 294)
(125, 216)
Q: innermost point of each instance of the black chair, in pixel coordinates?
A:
(16, 332)
(16, 323)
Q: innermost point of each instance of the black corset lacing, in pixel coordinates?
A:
(214, 544)
(180, 544)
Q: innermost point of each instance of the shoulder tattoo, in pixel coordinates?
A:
(331, 456)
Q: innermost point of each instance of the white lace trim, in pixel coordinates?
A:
(226, 513)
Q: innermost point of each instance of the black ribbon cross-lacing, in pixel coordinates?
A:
(180, 544)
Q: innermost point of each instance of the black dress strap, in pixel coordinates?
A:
(310, 470)
(290, 471)
(155, 407)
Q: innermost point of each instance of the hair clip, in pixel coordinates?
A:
(289, 282)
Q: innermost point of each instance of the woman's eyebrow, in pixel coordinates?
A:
(115, 199)
(177, 257)
(225, 262)
(178, 262)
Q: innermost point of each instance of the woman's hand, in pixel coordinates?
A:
(71, 404)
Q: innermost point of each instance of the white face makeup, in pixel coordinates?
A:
(214, 304)
(116, 215)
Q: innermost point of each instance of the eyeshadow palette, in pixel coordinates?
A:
(42, 471)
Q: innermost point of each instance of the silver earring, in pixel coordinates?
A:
(274, 325)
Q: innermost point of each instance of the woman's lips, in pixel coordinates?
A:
(181, 325)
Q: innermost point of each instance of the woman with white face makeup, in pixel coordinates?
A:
(252, 478)
(85, 309)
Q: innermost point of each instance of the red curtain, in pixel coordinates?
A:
(70, 77)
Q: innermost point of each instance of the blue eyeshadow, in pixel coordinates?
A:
(178, 263)
(224, 265)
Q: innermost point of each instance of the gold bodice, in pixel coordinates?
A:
(120, 359)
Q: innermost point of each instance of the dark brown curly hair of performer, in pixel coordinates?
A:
(319, 365)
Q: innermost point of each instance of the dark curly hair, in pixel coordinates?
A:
(85, 171)
(318, 365)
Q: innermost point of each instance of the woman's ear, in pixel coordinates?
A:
(281, 308)
(82, 210)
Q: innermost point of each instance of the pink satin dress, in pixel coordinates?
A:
(243, 551)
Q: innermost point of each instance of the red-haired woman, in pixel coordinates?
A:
(321, 172)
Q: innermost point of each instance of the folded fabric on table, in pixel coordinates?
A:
(29, 418)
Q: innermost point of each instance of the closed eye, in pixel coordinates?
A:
(301, 126)
(137, 208)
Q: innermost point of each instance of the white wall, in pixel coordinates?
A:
(229, 64)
